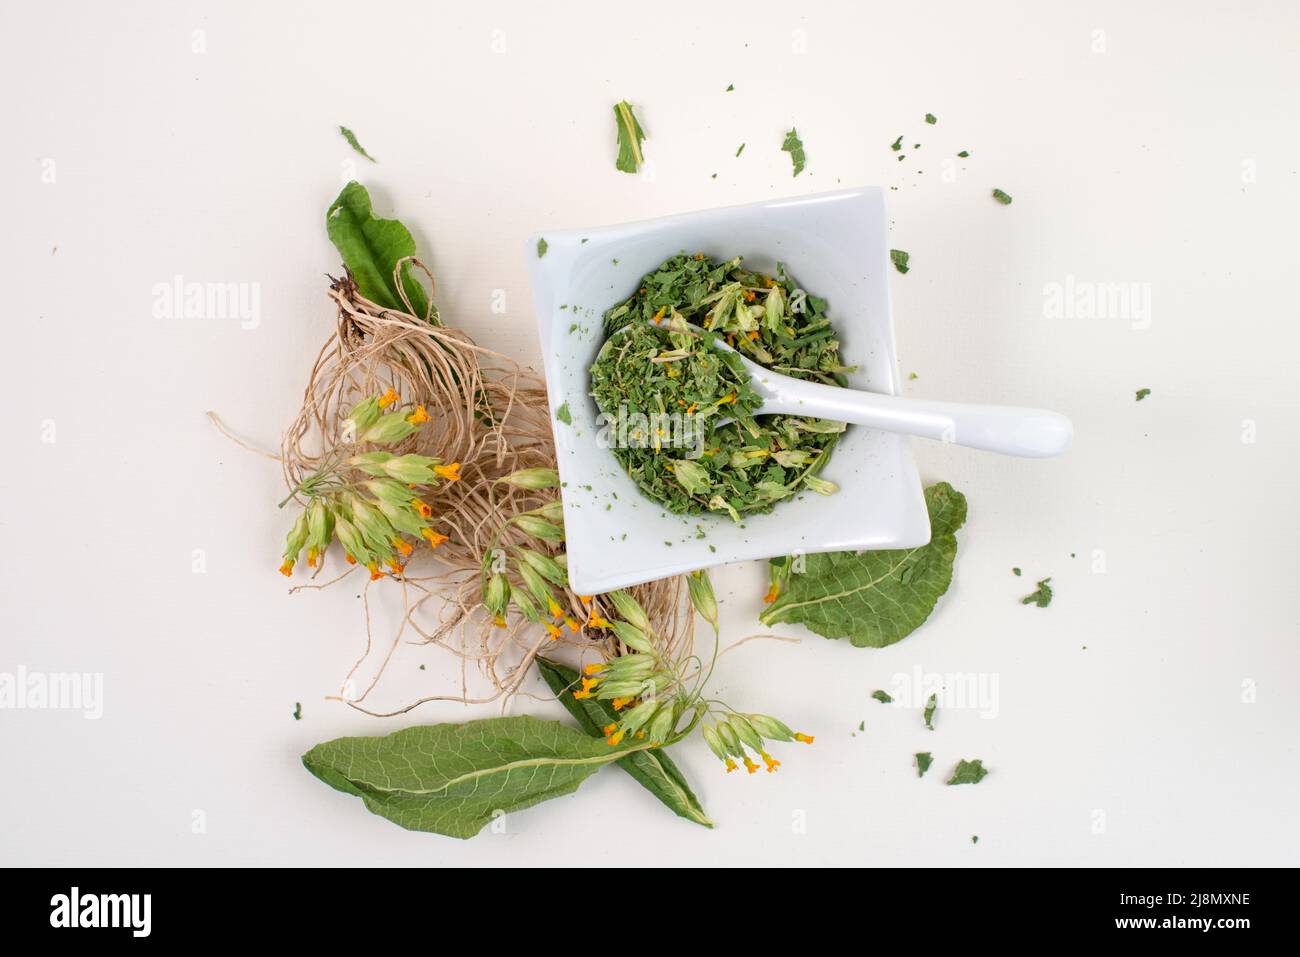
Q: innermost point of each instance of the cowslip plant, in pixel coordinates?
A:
(370, 500)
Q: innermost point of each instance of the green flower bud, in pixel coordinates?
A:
(549, 568)
(525, 605)
(770, 727)
(632, 636)
(320, 525)
(715, 743)
(496, 596)
(297, 537)
(533, 478)
(745, 731)
(412, 469)
(630, 610)
(372, 463)
(631, 667)
(730, 739)
(375, 529)
(639, 716)
(552, 512)
(820, 485)
(706, 603)
(537, 585)
(362, 416)
(388, 490)
(351, 540)
(661, 725)
(539, 528)
(402, 518)
(389, 429)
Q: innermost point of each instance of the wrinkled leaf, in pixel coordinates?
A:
(652, 769)
(794, 146)
(371, 248)
(923, 761)
(968, 772)
(355, 144)
(860, 596)
(454, 778)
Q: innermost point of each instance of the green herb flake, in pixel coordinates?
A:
(1001, 197)
(862, 726)
(882, 696)
(930, 707)
(913, 376)
(968, 772)
(730, 88)
(630, 137)
(352, 141)
(1142, 394)
(900, 260)
(794, 146)
(740, 149)
(1042, 597)
(297, 711)
(931, 119)
(897, 144)
(564, 415)
(1016, 572)
(964, 153)
(974, 838)
(923, 761)
(541, 248)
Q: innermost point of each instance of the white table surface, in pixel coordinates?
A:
(1149, 716)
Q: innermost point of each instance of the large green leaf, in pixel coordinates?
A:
(652, 769)
(454, 778)
(371, 248)
(876, 598)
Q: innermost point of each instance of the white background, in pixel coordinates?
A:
(1146, 143)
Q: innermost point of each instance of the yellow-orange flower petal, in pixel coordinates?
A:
(375, 573)
(805, 738)
(731, 765)
(423, 507)
(614, 738)
(435, 538)
(555, 632)
(771, 762)
(573, 625)
(419, 416)
(585, 599)
(595, 621)
(388, 398)
(594, 667)
(772, 593)
(287, 568)
(750, 766)
(403, 546)
(450, 472)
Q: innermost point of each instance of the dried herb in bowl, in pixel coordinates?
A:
(678, 413)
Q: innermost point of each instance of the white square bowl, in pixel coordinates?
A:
(835, 245)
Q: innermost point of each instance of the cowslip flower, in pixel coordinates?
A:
(450, 472)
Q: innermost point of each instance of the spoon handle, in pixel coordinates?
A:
(1032, 433)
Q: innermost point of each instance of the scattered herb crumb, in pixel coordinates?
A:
(900, 259)
(901, 157)
(541, 248)
(964, 153)
(897, 144)
(923, 761)
(1042, 597)
(882, 696)
(930, 707)
(794, 146)
(421, 667)
(1001, 197)
(564, 415)
(1016, 572)
(974, 838)
(968, 772)
(730, 87)
(297, 705)
(352, 141)
(862, 726)
(1142, 394)
(630, 137)
(741, 149)
(931, 119)
(913, 376)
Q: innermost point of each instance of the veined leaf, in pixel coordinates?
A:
(876, 598)
(371, 248)
(454, 778)
(629, 138)
(652, 769)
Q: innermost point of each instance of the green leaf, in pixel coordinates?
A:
(899, 258)
(564, 415)
(794, 146)
(541, 248)
(352, 141)
(968, 772)
(861, 596)
(882, 696)
(1001, 197)
(371, 248)
(454, 778)
(652, 769)
(1042, 596)
(930, 707)
(1142, 394)
(629, 138)
(923, 761)
(931, 119)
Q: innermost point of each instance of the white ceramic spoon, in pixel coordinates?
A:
(1032, 433)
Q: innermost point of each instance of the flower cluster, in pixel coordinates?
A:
(368, 500)
(731, 735)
